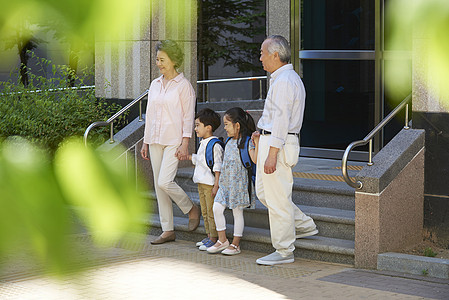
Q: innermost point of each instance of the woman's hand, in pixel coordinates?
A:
(182, 153)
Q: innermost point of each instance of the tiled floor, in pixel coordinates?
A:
(179, 270)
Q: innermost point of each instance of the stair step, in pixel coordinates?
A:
(330, 203)
(258, 239)
(331, 222)
(310, 192)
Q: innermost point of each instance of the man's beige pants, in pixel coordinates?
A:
(275, 192)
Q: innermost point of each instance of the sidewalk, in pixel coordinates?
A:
(179, 271)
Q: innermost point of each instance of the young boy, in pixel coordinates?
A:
(206, 122)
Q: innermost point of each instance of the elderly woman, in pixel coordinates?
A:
(168, 128)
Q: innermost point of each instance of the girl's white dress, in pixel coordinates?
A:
(233, 182)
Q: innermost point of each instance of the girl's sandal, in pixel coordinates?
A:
(219, 246)
(234, 251)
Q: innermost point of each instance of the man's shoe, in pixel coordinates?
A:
(161, 240)
(275, 259)
(302, 234)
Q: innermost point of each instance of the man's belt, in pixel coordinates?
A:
(265, 132)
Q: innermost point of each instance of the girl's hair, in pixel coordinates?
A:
(247, 125)
(173, 51)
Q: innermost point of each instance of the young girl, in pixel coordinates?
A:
(233, 183)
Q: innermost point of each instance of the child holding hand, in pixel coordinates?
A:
(206, 122)
(234, 190)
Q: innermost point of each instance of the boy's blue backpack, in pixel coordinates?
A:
(210, 152)
(247, 163)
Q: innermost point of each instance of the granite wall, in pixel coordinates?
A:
(389, 207)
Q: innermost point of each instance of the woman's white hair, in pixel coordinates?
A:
(279, 44)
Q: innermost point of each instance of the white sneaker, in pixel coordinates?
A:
(206, 245)
(202, 242)
(302, 234)
(275, 258)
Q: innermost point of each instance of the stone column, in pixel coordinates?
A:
(430, 112)
(278, 18)
(125, 67)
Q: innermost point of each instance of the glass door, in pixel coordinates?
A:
(341, 73)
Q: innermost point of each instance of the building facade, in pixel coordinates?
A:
(339, 48)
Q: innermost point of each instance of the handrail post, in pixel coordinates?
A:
(370, 161)
(260, 89)
(406, 117)
(140, 111)
(112, 133)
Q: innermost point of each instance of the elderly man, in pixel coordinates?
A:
(279, 126)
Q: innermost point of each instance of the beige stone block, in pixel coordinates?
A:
(393, 219)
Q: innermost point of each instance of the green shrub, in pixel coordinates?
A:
(429, 252)
(48, 117)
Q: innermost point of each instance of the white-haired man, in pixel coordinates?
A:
(279, 126)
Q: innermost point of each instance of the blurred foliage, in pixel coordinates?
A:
(99, 184)
(37, 192)
(48, 117)
(426, 21)
(32, 214)
(36, 197)
(76, 19)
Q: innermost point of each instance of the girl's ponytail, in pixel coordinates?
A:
(246, 121)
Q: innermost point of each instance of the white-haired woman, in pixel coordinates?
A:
(168, 128)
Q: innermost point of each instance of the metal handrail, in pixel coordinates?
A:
(84, 87)
(111, 120)
(231, 79)
(369, 139)
(260, 78)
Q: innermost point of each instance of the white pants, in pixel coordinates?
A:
(165, 166)
(275, 192)
(220, 221)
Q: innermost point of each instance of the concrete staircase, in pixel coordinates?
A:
(317, 192)
(329, 203)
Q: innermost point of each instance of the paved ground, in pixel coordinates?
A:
(179, 271)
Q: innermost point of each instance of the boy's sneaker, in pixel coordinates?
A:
(206, 245)
(204, 241)
(275, 258)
